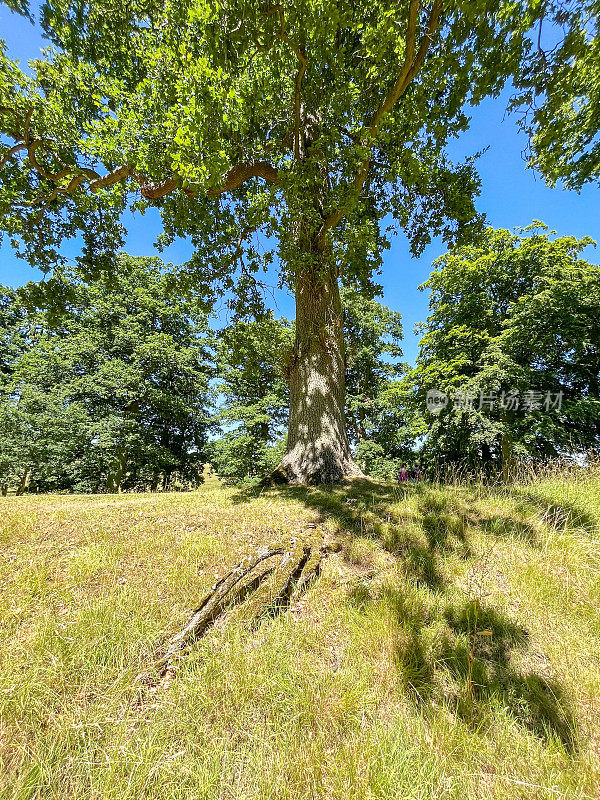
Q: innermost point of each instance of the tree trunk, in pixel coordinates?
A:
(506, 445)
(317, 443)
(23, 482)
(113, 482)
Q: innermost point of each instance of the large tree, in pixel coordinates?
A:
(513, 339)
(309, 121)
(252, 361)
(115, 394)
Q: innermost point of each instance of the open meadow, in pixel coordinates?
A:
(449, 649)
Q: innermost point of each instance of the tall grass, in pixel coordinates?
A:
(450, 649)
(523, 471)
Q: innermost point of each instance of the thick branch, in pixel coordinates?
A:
(401, 81)
(113, 177)
(150, 190)
(11, 152)
(242, 172)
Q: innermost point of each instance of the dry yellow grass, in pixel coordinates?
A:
(449, 650)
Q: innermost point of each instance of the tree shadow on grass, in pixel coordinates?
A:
(480, 655)
(470, 667)
(466, 656)
(559, 514)
(472, 661)
(420, 533)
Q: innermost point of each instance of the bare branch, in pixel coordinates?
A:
(242, 172)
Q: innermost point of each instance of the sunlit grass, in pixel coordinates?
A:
(450, 649)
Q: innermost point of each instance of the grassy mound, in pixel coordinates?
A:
(450, 649)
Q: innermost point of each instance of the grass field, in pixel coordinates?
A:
(450, 649)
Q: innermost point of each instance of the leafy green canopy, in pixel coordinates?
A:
(309, 120)
(117, 393)
(520, 313)
(254, 396)
(558, 92)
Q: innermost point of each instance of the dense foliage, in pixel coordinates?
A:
(115, 394)
(513, 340)
(250, 369)
(129, 388)
(558, 93)
(343, 110)
(309, 123)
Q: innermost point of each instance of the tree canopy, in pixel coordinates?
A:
(513, 340)
(116, 393)
(205, 98)
(558, 93)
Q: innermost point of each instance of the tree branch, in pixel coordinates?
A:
(300, 55)
(150, 190)
(412, 63)
(242, 172)
(11, 152)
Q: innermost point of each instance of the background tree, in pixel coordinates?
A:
(115, 395)
(309, 121)
(558, 93)
(514, 319)
(250, 360)
(376, 423)
(40, 430)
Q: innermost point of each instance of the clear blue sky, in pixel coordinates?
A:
(511, 196)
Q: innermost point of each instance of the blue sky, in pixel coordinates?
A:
(511, 196)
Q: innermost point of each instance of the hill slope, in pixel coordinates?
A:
(450, 649)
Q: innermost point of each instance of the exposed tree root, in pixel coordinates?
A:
(263, 583)
(309, 474)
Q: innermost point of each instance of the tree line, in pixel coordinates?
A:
(131, 384)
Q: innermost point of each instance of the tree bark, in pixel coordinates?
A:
(506, 445)
(23, 482)
(317, 444)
